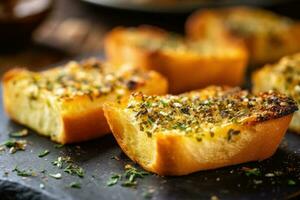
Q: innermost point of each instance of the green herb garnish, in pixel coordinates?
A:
(74, 170)
(75, 185)
(44, 153)
(21, 133)
(251, 172)
(69, 166)
(60, 161)
(291, 182)
(114, 179)
(15, 145)
(57, 146)
(129, 177)
(23, 173)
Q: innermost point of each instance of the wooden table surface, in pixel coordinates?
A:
(75, 28)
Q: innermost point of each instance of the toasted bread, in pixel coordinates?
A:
(207, 129)
(284, 77)
(186, 64)
(65, 103)
(267, 35)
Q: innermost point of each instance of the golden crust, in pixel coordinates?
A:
(73, 119)
(268, 36)
(175, 153)
(185, 69)
(258, 142)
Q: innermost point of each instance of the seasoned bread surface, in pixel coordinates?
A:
(207, 129)
(65, 103)
(186, 64)
(267, 35)
(284, 77)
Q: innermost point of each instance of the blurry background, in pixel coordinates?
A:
(42, 32)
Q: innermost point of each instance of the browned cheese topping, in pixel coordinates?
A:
(197, 112)
(90, 78)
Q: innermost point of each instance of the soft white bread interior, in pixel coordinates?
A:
(65, 103)
(268, 36)
(186, 64)
(284, 77)
(207, 129)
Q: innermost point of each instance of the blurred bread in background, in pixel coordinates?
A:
(267, 35)
(187, 64)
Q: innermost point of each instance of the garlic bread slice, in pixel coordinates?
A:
(65, 103)
(186, 64)
(268, 36)
(284, 77)
(207, 129)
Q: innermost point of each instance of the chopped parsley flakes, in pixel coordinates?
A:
(129, 178)
(44, 153)
(23, 173)
(75, 185)
(21, 133)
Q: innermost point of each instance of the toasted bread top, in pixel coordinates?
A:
(87, 78)
(154, 39)
(203, 111)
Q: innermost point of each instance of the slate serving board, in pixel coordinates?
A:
(95, 157)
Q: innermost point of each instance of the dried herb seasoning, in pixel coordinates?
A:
(44, 153)
(197, 116)
(21, 133)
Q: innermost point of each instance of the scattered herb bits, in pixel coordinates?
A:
(57, 146)
(291, 182)
(251, 171)
(74, 170)
(114, 179)
(23, 173)
(21, 133)
(131, 174)
(75, 185)
(69, 166)
(44, 153)
(14, 145)
(129, 178)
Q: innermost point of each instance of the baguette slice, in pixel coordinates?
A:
(267, 35)
(284, 77)
(65, 103)
(207, 129)
(186, 64)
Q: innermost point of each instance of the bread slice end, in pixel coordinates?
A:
(177, 154)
